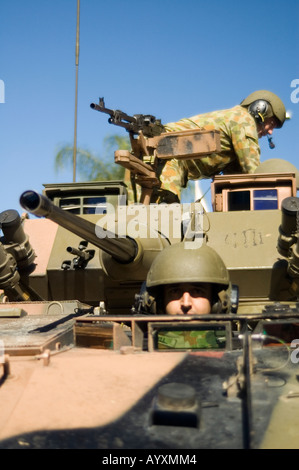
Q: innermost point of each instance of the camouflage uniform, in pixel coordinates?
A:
(240, 151)
(208, 339)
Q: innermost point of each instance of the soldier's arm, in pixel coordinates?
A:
(246, 147)
(172, 176)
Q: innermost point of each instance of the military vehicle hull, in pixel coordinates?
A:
(102, 399)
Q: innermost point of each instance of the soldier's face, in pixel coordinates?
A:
(188, 298)
(266, 127)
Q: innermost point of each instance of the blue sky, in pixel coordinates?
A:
(168, 58)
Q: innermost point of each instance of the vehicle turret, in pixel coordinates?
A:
(89, 256)
(100, 250)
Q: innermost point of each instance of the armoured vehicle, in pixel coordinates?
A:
(81, 360)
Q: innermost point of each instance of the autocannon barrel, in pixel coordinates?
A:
(122, 249)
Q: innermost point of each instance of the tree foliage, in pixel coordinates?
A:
(90, 167)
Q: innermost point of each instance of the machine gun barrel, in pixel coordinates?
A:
(122, 249)
(114, 113)
(145, 123)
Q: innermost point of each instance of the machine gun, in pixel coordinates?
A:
(154, 144)
(145, 123)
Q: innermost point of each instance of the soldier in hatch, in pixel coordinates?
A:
(240, 128)
(189, 280)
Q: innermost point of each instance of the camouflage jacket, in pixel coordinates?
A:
(204, 339)
(240, 151)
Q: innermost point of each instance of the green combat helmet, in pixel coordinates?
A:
(278, 165)
(258, 105)
(189, 263)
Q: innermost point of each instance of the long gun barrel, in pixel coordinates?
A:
(122, 249)
(148, 124)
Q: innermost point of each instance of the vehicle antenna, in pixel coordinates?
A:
(76, 92)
